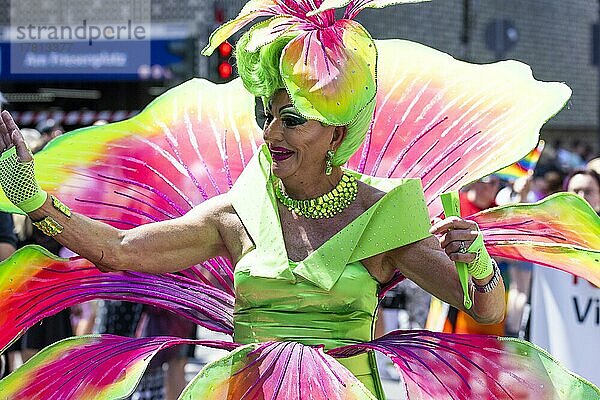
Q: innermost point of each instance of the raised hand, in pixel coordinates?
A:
(10, 136)
(17, 175)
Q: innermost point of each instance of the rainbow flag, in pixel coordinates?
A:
(523, 167)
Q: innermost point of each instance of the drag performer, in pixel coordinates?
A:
(291, 261)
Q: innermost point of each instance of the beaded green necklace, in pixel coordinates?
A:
(325, 206)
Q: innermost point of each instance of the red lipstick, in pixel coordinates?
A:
(280, 153)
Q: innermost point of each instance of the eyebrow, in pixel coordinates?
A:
(286, 106)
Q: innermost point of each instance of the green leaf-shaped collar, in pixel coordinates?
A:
(400, 217)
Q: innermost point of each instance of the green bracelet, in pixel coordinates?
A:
(481, 267)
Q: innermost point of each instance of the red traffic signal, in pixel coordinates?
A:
(224, 67)
(225, 50)
(225, 70)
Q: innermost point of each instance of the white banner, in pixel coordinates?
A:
(565, 320)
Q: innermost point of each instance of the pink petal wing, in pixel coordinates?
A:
(449, 122)
(330, 72)
(89, 367)
(184, 148)
(34, 284)
(561, 231)
(440, 366)
(276, 371)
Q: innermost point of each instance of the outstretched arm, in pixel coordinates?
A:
(158, 247)
(429, 263)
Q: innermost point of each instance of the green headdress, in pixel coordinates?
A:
(327, 66)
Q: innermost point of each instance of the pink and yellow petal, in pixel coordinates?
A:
(581, 262)
(329, 5)
(457, 366)
(34, 284)
(102, 367)
(563, 219)
(44, 375)
(561, 231)
(329, 73)
(182, 149)
(358, 5)
(355, 6)
(449, 122)
(18, 275)
(278, 371)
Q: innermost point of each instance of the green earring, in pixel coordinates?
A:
(328, 163)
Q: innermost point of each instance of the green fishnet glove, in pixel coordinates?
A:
(481, 267)
(17, 179)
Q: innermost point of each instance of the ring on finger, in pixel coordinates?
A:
(463, 247)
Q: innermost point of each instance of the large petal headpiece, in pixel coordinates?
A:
(328, 68)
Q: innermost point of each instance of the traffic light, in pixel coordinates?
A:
(186, 51)
(220, 63)
(224, 67)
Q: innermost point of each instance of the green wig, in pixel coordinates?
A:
(260, 72)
